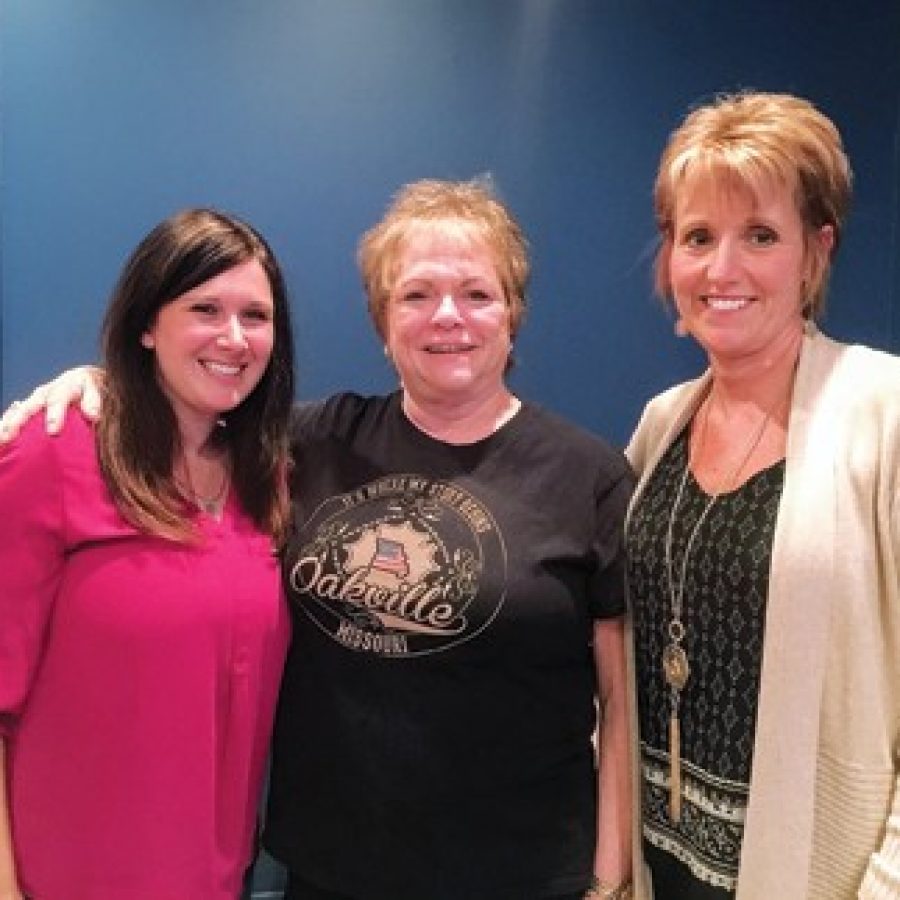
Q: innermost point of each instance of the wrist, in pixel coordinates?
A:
(605, 890)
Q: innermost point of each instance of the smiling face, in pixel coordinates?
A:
(737, 267)
(212, 344)
(447, 320)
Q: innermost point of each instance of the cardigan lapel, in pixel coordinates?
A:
(685, 406)
(777, 847)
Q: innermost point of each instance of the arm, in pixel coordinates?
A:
(74, 385)
(882, 877)
(8, 885)
(612, 859)
(31, 565)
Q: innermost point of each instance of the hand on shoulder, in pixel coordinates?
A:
(79, 385)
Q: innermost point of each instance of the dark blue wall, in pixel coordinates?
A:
(305, 115)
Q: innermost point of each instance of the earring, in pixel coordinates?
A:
(681, 329)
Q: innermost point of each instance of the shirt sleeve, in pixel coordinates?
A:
(31, 560)
(608, 585)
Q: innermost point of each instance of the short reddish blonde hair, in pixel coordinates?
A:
(467, 209)
(754, 140)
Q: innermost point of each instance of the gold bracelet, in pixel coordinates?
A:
(603, 890)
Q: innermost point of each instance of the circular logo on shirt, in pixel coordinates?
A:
(402, 566)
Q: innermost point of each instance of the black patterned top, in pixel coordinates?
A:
(724, 613)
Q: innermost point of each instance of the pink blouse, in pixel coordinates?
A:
(138, 680)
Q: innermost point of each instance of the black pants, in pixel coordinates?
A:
(297, 889)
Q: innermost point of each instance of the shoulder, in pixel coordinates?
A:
(670, 402)
(855, 375)
(575, 443)
(37, 470)
(335, 416)
(877, 372)
(34, 448)
(659, 416)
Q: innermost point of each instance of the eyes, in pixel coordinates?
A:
(755, 236)
(212, 311)
(473, 296)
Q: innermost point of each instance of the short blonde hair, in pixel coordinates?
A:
(469, 209)
(752, 140)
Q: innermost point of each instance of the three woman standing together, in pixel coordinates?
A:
(456, 567)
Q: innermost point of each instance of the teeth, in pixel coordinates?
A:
(221, 368)
(721, 303)
(448, 348)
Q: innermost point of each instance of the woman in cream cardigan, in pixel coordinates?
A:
(764, 536)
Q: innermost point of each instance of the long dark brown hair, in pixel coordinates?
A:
(137, 436)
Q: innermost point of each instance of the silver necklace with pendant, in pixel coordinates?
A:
(210, 505)
(675, 664)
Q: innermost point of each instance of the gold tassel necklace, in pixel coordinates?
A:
(675, 665)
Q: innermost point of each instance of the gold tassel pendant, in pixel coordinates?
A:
(675, 767)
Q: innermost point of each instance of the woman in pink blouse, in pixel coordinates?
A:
(142, 628)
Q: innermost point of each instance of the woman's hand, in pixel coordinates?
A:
(80, 385)
(9, 885)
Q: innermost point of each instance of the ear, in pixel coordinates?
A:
(147, 340)
(824, 239)
(818, 253)
(661, 280)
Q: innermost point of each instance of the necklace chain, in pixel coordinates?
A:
(210, 504)
(675, 663)
(725, 482)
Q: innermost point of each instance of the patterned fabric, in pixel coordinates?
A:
(724, 615)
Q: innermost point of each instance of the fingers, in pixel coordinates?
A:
(67, 388)
(9, 422)
(79, 385)
(18, 413)
(90, 396)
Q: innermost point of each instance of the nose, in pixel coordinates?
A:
(446, 312)
(723, 261)
(232, 335)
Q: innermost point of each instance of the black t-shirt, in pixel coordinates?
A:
(433, 739)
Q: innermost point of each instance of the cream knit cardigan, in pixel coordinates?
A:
(823, 819)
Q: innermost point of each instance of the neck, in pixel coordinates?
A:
(461, 422)
(200, 471)
(193, 437)
(762, 381)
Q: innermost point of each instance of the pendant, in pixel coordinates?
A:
(675, 666)
(674, 767)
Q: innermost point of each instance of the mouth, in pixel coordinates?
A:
(441, 349)
(222, 370)
(726, 304)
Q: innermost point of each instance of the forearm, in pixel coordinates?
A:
(8, 884)
(612, 859)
